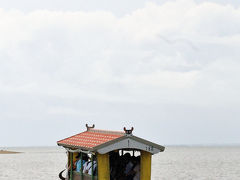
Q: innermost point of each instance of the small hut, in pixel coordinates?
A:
(101, 145)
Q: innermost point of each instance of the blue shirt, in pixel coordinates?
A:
(78, 165)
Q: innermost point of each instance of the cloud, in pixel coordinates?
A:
(180, 52)
(167, 46)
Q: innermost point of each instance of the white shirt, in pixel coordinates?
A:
(87, 167)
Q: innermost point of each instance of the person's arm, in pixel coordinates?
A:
(74, 166)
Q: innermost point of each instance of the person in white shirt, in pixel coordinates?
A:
(136, 169)
(87, 167)
(128, 167)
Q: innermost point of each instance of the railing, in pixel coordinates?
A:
(74, 175)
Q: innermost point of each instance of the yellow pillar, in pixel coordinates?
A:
(74, 156)
(145, 171)
(103, 167)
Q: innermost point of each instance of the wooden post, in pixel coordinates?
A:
(103, 167)
(145, 167)
(71, 170)
(92, 166)
(81, 170)
(97, 167)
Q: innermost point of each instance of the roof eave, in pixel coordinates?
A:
(159, 147)
(75, 147)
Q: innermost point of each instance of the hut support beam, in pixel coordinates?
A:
(103, 167)
(71, 170)
(145, 171)
(92, 167)
(81, 170)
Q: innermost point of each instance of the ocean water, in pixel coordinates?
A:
(210, 163)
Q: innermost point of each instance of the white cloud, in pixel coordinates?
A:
(179, 52)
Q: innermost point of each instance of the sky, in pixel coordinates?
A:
(168, 68)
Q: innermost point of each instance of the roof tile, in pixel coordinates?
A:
(91, 138)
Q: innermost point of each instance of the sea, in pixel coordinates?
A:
(176, 162)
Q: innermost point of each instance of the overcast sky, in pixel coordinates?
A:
(169, 68)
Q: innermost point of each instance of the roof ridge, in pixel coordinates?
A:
(106, 131)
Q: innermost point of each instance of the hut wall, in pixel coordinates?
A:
(78, 176)
(103, 167)
(145, 171)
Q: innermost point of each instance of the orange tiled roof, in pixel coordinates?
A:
(90, 138)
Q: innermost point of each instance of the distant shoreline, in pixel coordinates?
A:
(8, 152)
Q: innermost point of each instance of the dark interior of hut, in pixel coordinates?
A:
(124, 165)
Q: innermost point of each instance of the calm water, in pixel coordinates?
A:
(175, 163)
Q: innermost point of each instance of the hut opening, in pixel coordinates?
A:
(125, 164)
(82, 165)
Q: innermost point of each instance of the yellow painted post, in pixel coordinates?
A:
(145, 172)
(74, 156)
(103, 167)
